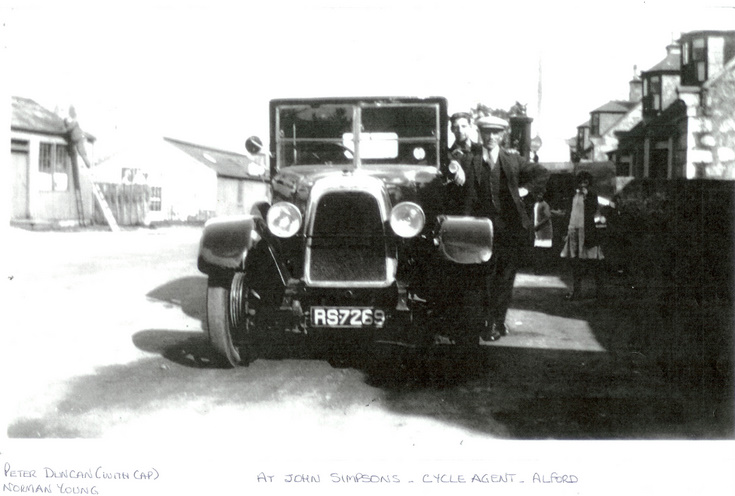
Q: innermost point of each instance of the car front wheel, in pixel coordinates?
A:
(229, 319)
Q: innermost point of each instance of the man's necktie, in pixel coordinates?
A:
(495, 182)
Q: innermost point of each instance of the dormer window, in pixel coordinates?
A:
(704, 54)
(595, 125)
(580, 139)
(655, 88)
(652, 93)
(699, 57)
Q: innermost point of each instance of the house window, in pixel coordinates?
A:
(580, 139)
(698, 49)
(155, 202)
(685, 53)
(655, 91)
(701, 71)
(699, 56)
(595, 125)
(652, 94)
(53, 165)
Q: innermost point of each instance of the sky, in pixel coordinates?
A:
(204, 71)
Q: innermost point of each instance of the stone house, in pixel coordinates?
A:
(688, 124)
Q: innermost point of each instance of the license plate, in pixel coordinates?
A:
(347, 317)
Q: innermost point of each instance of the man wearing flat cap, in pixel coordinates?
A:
(497, 181)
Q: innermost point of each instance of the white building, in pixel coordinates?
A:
(41, 173)
(187, 181)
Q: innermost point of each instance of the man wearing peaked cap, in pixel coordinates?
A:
(497, 181)
(492, 122)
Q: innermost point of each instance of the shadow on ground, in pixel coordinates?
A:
(507, 392)
(188, 293)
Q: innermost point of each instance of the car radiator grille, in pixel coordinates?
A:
(348, 241)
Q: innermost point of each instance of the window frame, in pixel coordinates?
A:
(595, 124)
(699, 53)
(655, 86)
(699, 58)
(54, 167)
(155, 199)
(580, 139)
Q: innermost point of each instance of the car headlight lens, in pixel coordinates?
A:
(284, 219)
(407, 219)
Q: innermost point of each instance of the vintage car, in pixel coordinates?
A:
(354, 235)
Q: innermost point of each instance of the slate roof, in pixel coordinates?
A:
(616, 107)
(672, 63)
(224, 163)
(28, 115)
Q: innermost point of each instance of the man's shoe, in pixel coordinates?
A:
(489, 334)
(501, 329)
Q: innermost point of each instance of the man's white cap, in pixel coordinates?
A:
(492, 122)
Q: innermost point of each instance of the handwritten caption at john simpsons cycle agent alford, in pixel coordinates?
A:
(58, 480)
(426, 478)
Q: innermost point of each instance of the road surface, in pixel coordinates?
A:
(105, 340)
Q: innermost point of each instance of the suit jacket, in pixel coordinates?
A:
(516, 172)
(454, 194)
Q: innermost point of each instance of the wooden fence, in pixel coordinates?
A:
(128, 202)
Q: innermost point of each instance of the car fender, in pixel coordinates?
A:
(464, 240)
(225, 243)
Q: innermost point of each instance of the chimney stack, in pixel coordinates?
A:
(673, 49)
(635, 92)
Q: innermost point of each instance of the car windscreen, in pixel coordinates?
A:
(395, 133)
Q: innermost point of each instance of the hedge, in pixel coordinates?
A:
(675, 236)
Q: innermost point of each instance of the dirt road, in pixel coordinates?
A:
(105, 332)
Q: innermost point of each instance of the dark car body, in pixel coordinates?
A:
(354, 235)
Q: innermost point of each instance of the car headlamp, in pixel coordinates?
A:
(407, 219)
(284, 219)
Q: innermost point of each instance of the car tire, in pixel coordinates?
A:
(230, 339)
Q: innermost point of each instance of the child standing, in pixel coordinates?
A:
(582, 245)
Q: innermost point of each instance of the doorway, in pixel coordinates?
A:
(20, 194)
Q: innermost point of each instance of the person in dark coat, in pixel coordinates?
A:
(582, 242)
(450, 278)
(497, 182)
(461, 155)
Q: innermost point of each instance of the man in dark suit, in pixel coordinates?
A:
(497, 182)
